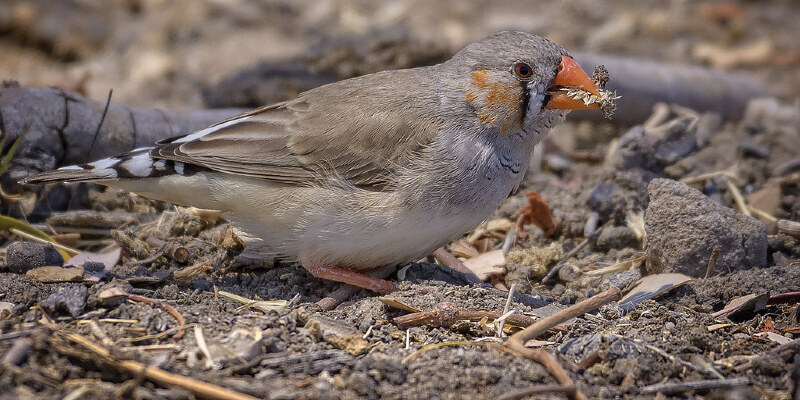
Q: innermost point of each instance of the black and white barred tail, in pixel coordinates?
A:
(137, 164)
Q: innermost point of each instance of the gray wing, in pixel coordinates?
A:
(313, 137)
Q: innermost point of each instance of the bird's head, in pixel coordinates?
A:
(517, 82)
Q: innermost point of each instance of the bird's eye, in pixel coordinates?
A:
(522, 70)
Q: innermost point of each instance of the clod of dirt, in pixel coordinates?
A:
(616, 237)
(616, 346)
(525, 264)
(684, 226)
(626, 191)
(656, 148)
(23, 256)
(70, 298)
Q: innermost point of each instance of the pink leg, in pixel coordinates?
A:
(354, 278)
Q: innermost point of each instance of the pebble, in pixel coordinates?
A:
(684, 226)
(70, 298)
(23, 256)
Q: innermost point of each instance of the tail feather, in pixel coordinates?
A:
(136, 164)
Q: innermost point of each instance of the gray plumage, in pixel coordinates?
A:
(374, 170)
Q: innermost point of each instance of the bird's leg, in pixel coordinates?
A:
(354, 278)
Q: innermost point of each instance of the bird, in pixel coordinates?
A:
(367, 172)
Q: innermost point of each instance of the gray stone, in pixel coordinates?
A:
(683, 226)
(23, 256)
(70, 298)
(616, 237)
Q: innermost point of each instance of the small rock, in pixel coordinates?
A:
(683, 226)
(617, 346)
(770, 366)
(240, 344)
(362, 384)
(659, 147)
(6, 309)
(337, 333)
(70, 298)
(23, 256)
(616, 237)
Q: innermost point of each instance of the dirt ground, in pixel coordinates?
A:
(165, 301)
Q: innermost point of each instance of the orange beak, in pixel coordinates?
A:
(570, 76)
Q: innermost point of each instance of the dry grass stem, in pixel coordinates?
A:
(762, 214)
(32, 238)
(712, 261)
(711, 175)
(265, 306)
(620, 266)
(738, 198)
(517, 341)
(446, 259)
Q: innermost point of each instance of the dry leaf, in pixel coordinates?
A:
(394, 303)
(487, 264)
(53, 274)
(767, 199)
(775, 337)
(651, 286)
(538, 213)
(109, 260)
(748, 303)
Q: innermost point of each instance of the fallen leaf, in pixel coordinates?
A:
(54, 274)
(500, 225)
(5, 309)
(109, 260)
(354, 345)
(487, 264)
(769, 326)
(538, 213)
(767, 199)
(394, 303)
(651, 286)
(112, 295)
(775, 337)
(748, 303)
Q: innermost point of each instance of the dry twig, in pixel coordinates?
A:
(446, 259)
(447, 314)
(198, 388)
(712, 261)
(679, 387)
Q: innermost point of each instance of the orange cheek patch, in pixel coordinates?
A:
(495, 101)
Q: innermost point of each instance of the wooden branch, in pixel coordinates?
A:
(643, 83)
(65, 128)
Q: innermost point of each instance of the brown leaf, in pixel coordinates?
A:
(769, 326)
(538, 213)
(54, 274)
